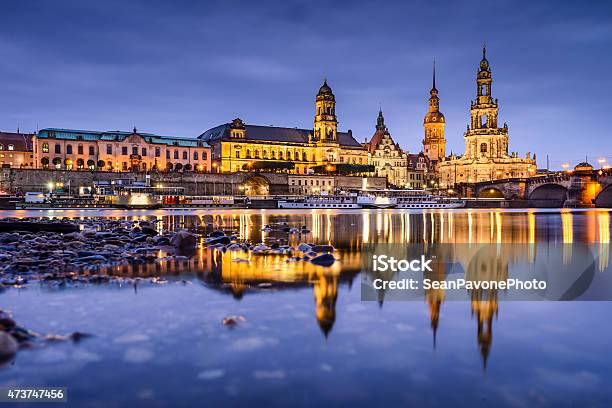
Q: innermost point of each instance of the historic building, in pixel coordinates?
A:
(434, 143)
(118, 151)
(386, 156)
(237, 146)
(486, 154)
(311, 184)
(16, 150)
(419, 171)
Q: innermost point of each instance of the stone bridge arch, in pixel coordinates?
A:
(548, 195)
(256, 185)
(490, 192)
(604, 198)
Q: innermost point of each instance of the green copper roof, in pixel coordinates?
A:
(94, 135)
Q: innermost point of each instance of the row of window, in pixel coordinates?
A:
(102, 165)
(274, 156)
(124, 151)
(9, 147)
(312, 182)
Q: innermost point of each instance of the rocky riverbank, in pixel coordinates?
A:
(94, 246)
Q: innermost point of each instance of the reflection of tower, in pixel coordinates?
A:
(435, 297)
(326, 294)
(484, 310)
(489, 263)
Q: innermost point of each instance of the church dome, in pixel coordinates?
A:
(434, 117)
(325, 89)
(584, 166)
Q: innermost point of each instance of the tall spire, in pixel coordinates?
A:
(434, 74)
(484, 50)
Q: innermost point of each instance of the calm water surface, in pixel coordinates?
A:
(308, 338)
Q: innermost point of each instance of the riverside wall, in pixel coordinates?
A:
(36, 180)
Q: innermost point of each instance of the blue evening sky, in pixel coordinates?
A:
(181, 67)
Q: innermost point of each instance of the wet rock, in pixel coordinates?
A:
(184, 241)
(304, 248)
(219, 240)
(150, 231)
(93, 259)
(322, 248)
(8, 346)
(233, 321)
(323, 260)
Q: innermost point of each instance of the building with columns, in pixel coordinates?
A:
(387, 157)
(434, 143)
(486, 154)
(238, 146)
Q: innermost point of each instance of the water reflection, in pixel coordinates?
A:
(239, 274)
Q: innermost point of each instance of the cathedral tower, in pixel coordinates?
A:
(325, 123)
(483, 139)
(434, 144)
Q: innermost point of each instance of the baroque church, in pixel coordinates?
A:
(237, 146)
(486, 154)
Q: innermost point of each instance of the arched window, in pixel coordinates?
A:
(483, 148)
(280, 155)
(484, 120)
(91, 164)
(45, 148)
(304, 157)
(1, 146)
(248, 154)
(11, 147)
(45, 162)
(288, 155)
(185, 155)
(80, 164)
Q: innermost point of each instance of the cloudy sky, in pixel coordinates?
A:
(181, 67)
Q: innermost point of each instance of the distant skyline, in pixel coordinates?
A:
(181, 67)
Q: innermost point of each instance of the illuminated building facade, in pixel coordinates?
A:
(69, 149)
(486, 154)
(387, 157)
(237, 146)
(16, 150)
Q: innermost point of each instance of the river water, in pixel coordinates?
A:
(308, 338)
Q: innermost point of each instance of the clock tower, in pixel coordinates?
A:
(434, 144)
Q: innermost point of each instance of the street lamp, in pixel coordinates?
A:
(601, 162)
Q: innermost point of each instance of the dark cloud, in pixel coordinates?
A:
(181, 67)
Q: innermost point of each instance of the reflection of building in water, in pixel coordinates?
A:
(490, 263)
(603, 219)
(326, 294)
(435, 297)
(485, 310)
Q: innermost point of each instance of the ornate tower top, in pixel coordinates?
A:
(380, 121)
(325, 123)
(434, 114)
(325, 90)
(434, 143)
(484, 63)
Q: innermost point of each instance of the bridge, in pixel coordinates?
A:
(582, 187)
